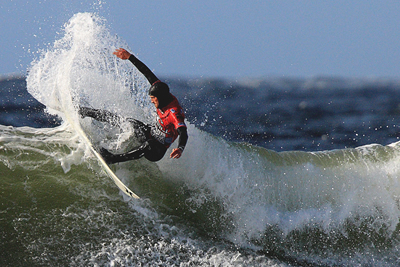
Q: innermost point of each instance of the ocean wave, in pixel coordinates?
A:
(298, 202)
(223, 201)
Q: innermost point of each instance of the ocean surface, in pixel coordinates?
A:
(277, 171)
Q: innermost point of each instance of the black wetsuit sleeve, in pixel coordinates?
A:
(183, 137)
(150, 76)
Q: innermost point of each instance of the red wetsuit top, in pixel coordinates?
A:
(169, 119)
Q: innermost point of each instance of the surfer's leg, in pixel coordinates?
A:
(114, 158)
(138, 124)
(140, 129)
(151, 150)
(131, 155)
(156, 151)
(100, 115)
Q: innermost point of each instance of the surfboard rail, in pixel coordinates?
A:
(77, 127)
(105, 166)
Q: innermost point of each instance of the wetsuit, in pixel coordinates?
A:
(155, 138)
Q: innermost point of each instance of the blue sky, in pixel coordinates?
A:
(223, 38)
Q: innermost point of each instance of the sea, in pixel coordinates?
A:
(278, 171)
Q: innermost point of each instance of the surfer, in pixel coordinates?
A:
(155, 138)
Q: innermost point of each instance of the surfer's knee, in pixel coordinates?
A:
(155, 151)
(153, 157)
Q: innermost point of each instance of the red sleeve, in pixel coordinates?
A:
(179, 118)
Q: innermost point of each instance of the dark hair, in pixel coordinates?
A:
(161, 91)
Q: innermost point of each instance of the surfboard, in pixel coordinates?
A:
(104, 165)
(78, 128)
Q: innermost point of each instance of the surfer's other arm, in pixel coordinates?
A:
(183, 137)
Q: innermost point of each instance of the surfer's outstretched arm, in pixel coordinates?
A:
(123, 54)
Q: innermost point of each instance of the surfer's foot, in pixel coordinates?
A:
(82, 112)
(107, 155)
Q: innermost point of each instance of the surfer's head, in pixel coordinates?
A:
(159, 94)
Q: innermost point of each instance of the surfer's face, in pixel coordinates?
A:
(154, 100)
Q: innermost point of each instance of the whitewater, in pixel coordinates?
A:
(233, 199)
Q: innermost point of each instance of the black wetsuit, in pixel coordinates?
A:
(151, 148)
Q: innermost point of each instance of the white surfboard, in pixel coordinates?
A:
(104, 165)
(101, 161)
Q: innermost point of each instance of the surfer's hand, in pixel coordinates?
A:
(122, 53)
(176, 153)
